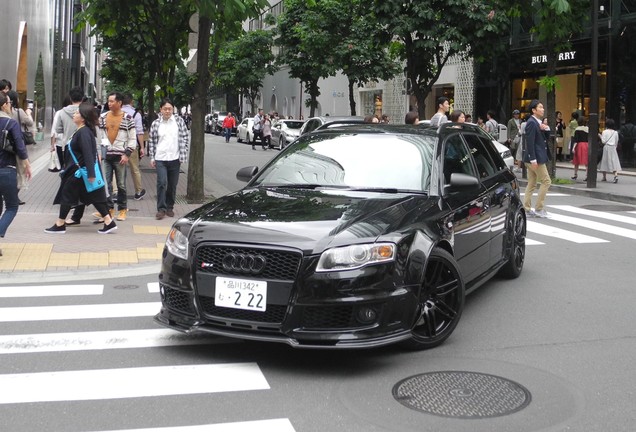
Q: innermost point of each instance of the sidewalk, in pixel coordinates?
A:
(137, 243)
(136, 247)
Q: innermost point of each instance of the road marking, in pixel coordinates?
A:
(584, 223)
(598, 214)
(130, 382)
(273, 425)
(530, 242)
(46, 313)
(153, 287)
(562, 234)
(551, 194)
(50, 290)
(100, 340)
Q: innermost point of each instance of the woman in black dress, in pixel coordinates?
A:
(72, 191)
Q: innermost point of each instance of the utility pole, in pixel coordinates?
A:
(593, 123)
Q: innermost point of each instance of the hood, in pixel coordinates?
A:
(308, 220)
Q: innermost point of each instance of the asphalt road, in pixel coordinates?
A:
(563, 333)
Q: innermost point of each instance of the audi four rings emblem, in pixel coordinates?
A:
(244, 263)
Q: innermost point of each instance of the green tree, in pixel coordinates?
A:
(432, 32)
(244, 62)
(149, 37)
(306, 36)
(364, 52)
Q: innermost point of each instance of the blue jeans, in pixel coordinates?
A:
(8, 194)
(227, 133)
(111, 166)
(167, 179)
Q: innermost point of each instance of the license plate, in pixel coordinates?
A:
(240, 294)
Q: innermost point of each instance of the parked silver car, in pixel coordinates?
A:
(285, 132)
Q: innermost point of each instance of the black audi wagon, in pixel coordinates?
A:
(352, 237)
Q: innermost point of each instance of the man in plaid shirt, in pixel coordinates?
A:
(168, 147)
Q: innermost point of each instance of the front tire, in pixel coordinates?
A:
(441, 302)
(517, 228)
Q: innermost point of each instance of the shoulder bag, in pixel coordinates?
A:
(26, 135)
(6, 143)
(82, 173)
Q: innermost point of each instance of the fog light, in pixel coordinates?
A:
(366, 315)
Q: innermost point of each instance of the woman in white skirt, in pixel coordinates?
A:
(610, 161)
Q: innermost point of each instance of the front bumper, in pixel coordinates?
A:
(361, 308)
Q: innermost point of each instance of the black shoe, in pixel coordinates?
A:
(56, 229)
(112, 226)
(140, 195)
(574, 178)
(22, 202)
(253, 148)
(615, 179)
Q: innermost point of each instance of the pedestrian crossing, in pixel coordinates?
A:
(47, 381)
(579, 225)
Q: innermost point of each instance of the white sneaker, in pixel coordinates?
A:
(530, 213)
(542, 214)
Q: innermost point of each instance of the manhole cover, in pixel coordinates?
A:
(609, 207)
(467, 395)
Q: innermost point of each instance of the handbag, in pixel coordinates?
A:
(6, 143)
(82, 173)
(54, 162)
(26, 135)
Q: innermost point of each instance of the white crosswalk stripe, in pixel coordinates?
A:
(50, 382)
(117, 339)
(547, 230)
(130, 382)
(273, 425)
(597, 214)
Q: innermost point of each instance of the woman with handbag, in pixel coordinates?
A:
(9, 160)
(81, 155)
(610, 161)
(26, 122)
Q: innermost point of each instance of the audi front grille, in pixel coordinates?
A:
(266, 264)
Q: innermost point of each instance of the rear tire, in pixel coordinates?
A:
(517, 241)
(441, 302)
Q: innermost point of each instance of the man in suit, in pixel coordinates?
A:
(535, 157)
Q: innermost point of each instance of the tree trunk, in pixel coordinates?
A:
(196, 191)
(352, 102)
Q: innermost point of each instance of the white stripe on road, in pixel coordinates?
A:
(598, 214)
(562, 234)
(530, 242)
(130, 382)
(550, 194)
(274, 425)
(584, 223)
(50, 290)
(153, 287)
(46, 313)
(99, 340)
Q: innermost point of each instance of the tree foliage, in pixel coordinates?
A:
(432, 32)
(244, 62)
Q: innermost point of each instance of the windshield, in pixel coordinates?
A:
(293, 124)
(356, 161)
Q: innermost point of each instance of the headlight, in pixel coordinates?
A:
(506, 154)
(177, 243)
(355, 256)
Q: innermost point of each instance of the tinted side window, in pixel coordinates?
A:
(479, 149)
(456, 158)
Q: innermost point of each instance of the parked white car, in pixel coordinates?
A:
(244, 131)
(284, 132)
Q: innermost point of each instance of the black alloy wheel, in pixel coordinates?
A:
(517, 241)
(441, 302)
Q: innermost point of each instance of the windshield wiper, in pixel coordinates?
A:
(298, 186)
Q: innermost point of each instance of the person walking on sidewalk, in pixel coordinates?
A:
(258, 128)
(535, 156)
(8, 163)
(169, 143)
(580, 148)
(610, 161)
(120, 141)
(72, 191)
(135, 156)
(228, 124)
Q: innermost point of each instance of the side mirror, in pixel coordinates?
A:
(459, 181)
(246, 173)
